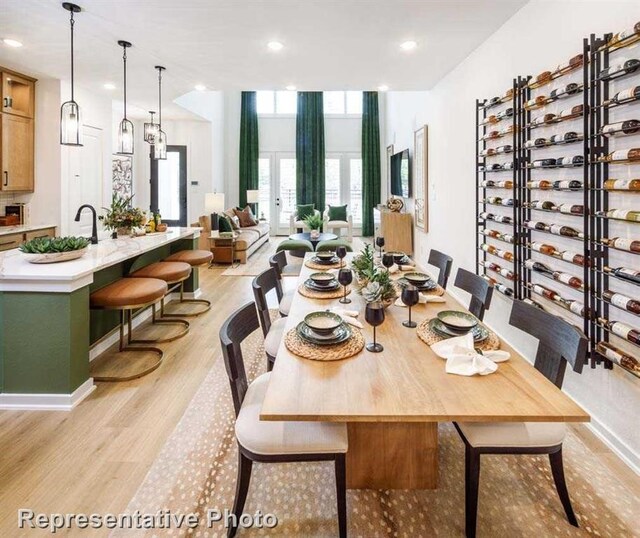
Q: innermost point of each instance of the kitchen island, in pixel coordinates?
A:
(47, 329)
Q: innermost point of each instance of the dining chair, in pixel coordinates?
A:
(270, 441)
(443, 262)
(481, 291)
(559, 343)
(273, 331)
(278, 262)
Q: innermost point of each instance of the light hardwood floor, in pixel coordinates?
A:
(93, 459)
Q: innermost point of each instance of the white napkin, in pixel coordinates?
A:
(423, 299)
(462, 358)
(349, 316)
(395, 268)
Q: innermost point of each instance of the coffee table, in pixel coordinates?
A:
(306, 236)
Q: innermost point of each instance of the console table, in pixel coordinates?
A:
(396, 228)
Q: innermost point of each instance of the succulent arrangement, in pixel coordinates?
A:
(313, 221)
(49, 245)
(122, 215)
(362, 263)
(376, 284)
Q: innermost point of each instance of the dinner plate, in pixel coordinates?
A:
(429, 285)
(313, 286)
(457, 321)
(480, 333)
(341, 334)
(331, 261)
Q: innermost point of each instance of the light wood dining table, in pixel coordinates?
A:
(393, 401)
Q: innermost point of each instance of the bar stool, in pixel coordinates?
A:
(173, 274)
(195, 258)
(128, 295)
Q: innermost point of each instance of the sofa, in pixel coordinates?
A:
(248, 239)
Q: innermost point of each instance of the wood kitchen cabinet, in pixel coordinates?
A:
(17, 132)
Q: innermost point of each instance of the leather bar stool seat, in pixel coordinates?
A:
(193, 257)
(170, 272)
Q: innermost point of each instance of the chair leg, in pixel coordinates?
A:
(242, 488)
(471, 483)
(557, 469)
(341, 490)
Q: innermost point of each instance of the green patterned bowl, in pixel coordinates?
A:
(323, 322)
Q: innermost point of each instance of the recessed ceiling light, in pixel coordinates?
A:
(408, 45)
(291, 88)
(12, 43)
(383, 88)
(200, 87)
(275, 45)
(109, 86)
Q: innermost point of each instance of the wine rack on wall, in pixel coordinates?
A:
(573, 225)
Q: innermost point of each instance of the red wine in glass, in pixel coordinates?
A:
(410, 296)
(374, 315)
(380, 244)
(341, 252)
(387, 260)
(345, 277)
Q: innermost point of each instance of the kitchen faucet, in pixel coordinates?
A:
(94, 230)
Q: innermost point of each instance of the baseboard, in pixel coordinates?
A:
(46, 402)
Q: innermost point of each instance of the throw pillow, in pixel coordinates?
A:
(232, 218)
(245, 217)
(305, 210)
(224, 224)
(338, 212)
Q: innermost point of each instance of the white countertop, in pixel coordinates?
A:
(17, 274)
(7, 230)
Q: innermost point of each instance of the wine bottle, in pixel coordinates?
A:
(624, 96)
(546, 292)
(493, 200)
(573, 257)
(494, 101)
(540, 80)
(572, 64)
(622, 243)
(544, 118)
(492, 233)
(626, 127)
(535, 225)
(507, 95)
(533, 303)
(537, 102)
(572, 184)
(487, 152)
(572, 112)
(494, 166)
(622, 301)
(488, 183)
(504, 289)
(544, 163)
(622, 185)
(507, 238)
(491, 135)
(567, 162)
(538, 267)
(507, 148)
(536, 143)
(506, 113)
(486, 215)
(541, 204)
(567, 279)
(505, 184)
(621, 329)
(566, 137)
(632, 154)
(541, 184)
(574, 306)
(565, 231)
(490, 280)
(619, 357)
(490, 120)
(620, 70)
(502, 218)
(507, 166)
(571, 209)
(508, 130)
(544, 248)
(567, 90)
(625, 36)
(624, 273)
(509, 275)
(620, 214)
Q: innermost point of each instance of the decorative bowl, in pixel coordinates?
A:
(322, 279)
(323, 322)
(417, 279)
(55, 257)
(457, 321)
(325, 256)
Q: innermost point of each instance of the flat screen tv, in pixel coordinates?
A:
(401, 174)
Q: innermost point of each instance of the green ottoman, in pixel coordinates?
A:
(296, 247)
(332, 244)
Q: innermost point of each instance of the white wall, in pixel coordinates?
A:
(526, 44)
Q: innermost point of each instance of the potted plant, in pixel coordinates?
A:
(314, 223)
(362, 264)
(375, 284)
(54, 249)
(122, 217)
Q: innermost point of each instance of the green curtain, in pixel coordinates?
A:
(310, 150)
(370, 160)
(249, 149)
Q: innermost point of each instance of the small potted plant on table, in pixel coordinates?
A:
(314, 223)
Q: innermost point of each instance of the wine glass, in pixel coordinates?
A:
(374, 315)
(380, 243)
(345, 277)
(387, 260)
(410, 297)
(341, 252)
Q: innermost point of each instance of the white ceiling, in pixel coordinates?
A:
(329, 44)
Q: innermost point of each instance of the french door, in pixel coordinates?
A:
(343, 184)
(169, 186)
(277, 185)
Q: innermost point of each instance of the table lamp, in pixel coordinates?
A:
(214, 204)
(253, 198)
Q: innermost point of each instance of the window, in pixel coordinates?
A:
(355, 198)
(287, 190)
(281, 102)
(264, 185)
(341, 103)
(343, 183)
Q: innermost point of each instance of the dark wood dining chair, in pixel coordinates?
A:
(443, 262)
(278, 262)
(559, 344)
(481, 291)
(270, 441)
(273, 332)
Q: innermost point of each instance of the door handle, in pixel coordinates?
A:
(6, 178)
(5, 102)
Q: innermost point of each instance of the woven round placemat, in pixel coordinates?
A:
(321, 266)
(314, 352)
(429, 337)
(312, 294)
(438, 290)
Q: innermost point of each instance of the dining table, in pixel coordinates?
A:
(392, 401)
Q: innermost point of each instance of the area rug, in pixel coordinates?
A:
(259, 261)
(196, 470)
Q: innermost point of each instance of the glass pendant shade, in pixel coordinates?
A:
(160, 146)
(125, 138)
(70, 124)
(151, 130)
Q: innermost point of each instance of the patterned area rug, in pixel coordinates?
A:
(259, 261)
(196, 470)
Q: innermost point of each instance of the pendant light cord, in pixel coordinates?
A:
(72, 22)
(124, 63)
(159, 98)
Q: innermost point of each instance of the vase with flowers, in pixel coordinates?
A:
(121, 217)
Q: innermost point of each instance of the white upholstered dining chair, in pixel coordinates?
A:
(337, 225)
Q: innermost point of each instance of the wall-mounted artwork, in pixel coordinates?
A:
(122, 175)
(420, 177)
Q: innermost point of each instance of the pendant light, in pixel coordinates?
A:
(160, 143)
(150, 129)
(125, 132)
(70, 114)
